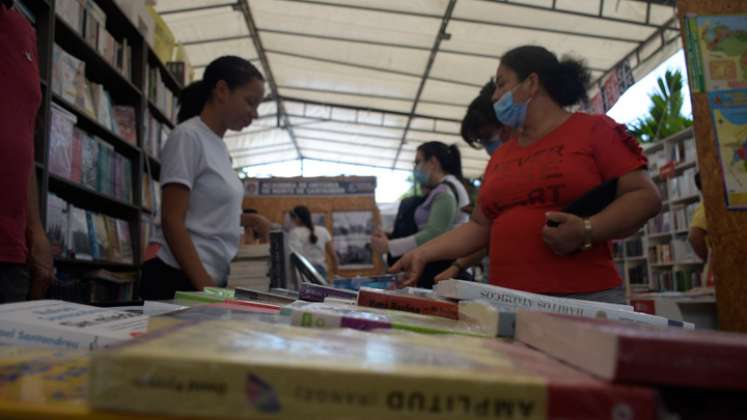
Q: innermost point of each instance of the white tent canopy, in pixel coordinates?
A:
(366, 81)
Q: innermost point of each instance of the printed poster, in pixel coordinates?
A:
(717, 52)
(351, 236)
(729, 109)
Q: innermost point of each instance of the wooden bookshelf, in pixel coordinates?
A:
(677, 154)
(124, 89)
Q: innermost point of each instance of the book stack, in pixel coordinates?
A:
(683, 215)
(155, 135)
(250, 268)
(85, 235)
(254, 369)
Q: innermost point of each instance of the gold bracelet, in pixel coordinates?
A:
(587, 235)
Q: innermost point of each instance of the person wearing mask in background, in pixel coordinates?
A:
(553, 157)
(311, 241)
(439, 167)
(201, 194)
(26, 267)
(480, 129)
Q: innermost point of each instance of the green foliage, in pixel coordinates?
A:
(665, 112)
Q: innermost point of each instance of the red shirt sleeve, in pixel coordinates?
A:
(615, 151)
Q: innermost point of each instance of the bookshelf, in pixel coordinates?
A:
(659, 257)
(110, 57)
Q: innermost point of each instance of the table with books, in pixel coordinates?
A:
(462, 350)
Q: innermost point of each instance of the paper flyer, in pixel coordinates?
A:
(729, 110)
(717, 46)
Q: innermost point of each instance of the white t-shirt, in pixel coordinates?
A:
(299, 243)
(462, 198)
(194, 156)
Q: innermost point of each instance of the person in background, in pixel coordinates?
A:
(439, 167)
(698, 235)
(480, 126)
(553, 157)
(256, 227)
(480, 129)
(698, 238)
(26, 266)
(201, 194)
(311, 241)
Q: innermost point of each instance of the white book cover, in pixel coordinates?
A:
(455, 289)
(510, 299)
(58, 324)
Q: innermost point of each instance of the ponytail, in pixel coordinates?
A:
(448, 156)
(192, 99)
(454, 162)
(234, 71)
(566, 81)
(303, 214)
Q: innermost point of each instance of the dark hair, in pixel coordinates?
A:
(566, 81)
(697, 180)
(303, 214)
(479, 114)
(235, 71)
(448, 156)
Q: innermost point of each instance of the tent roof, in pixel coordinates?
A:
(366, 81)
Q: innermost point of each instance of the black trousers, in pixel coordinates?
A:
(15, 282)
(160, 281)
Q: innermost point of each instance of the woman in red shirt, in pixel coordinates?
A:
(553, 157)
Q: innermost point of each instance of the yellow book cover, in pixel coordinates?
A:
(234, 368)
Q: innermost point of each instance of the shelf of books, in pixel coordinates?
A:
(101, 128)
(660, 259)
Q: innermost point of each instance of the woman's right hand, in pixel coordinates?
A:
(447, 274)
(412, 264)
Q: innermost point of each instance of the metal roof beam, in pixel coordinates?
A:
(552, 8)
(368, 109)
(364, 124)
(197, 8)
(247, 13)
(212, 40)
(637, 50)
(370, 95)
(426, 72)
(365, 67)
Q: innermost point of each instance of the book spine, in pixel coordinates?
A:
(224, 389)
(408, 304)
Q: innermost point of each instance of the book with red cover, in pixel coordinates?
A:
(378, 298)
(631, 353)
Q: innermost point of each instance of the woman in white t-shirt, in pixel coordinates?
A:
(200, 225)
(311, 241)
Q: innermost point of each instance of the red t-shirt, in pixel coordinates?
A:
(523, 183)
(20, 96)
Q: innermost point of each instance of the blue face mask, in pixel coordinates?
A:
(421, 177)
(491, 147)
(509, 112)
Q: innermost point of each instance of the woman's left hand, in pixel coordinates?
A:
(565, 238)
(380, 242)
